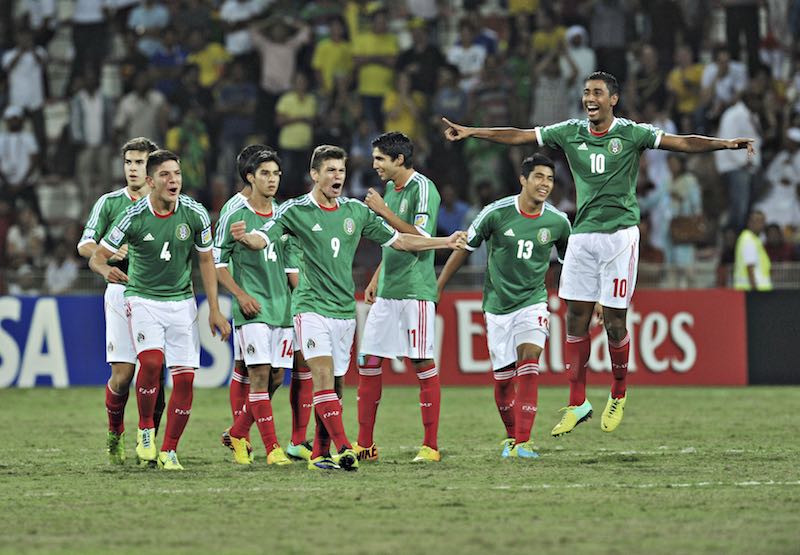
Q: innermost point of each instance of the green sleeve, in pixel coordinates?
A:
(223, 241)
(374, 227)
(292, 255)
(97, 223)
(553, 135)
(203, 237)
(480, 229)
(427, 208)
(646, 135)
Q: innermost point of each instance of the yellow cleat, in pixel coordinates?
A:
(426, 454)
(573, 415)
(300, 452)
(115, 447)
(366, 453)
(348, 460)
(241, 450)
(524, 451)
(323, 463)
(507, 444)
(612, 415)
(146, 445)
(278, 457)
(168, 460)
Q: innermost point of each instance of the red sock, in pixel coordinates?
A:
(180, 406)
(243, 422)
(504, 397)
(115, 407)
(301, 399)
(527, 398)
(240, 387)
(577, 357)
(147, 385)
(322, 440)
(328, 408)
(370, 384)
(619, 364)
(261, 409)
(430, 397)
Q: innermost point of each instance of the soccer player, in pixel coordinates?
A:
(520, 232)
(328, 228)
(163, 229)
(601, 261)
(402, 293)
(120, 351)
(262, 317)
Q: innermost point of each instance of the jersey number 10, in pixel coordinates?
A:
(598, 162)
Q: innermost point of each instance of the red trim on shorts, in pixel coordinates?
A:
(631, 268)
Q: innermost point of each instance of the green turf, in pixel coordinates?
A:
(688, 471)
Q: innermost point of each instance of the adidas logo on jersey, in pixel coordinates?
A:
(509, 233)
(149, 237)
(316, 227)
(583, 147)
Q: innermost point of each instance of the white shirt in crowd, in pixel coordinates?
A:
(16, 150)
(26, 79)
(738, 121)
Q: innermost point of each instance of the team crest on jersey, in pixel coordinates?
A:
(615, 146)
(284, 237)
(251, 349)
(182, 232)
(404, 206)
(543, 236)
(349, 226)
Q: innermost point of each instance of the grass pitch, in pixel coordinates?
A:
(688, 471)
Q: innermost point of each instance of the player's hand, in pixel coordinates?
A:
(217, 322)
(458, 241)
(120, 254)
(454, 131)
(115, 275)
(370, 293)
(249, 306)
(238, 230)
(375, 201)
(597, 315)
(742, 142)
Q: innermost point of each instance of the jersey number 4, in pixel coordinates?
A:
(598, 162)
(165, 254)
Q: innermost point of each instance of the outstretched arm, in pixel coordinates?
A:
(505, 135)
(408, 242)
(699, 143)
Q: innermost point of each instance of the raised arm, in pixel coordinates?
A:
(253, 241)
(505, 135)
(375, 201)
(699, 143)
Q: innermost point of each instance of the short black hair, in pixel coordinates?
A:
(158, 157)
(536, 160)
(261, 157)
(142, 144)
(608, 79)
(244, 157)
(326, 152)
(393, 144)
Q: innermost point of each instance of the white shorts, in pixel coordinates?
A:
(168, 326)
(321, 336)
(601, 267)
(400, 328)
(265, 344)
(237, 352)
(119, 342)
(506, 332)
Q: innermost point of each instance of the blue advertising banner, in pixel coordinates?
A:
(60, 342)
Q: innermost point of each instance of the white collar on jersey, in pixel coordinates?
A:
(315, 203)
(521, 213)
(150, 204)
(409, 180)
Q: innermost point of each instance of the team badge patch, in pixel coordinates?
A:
(543, 236)
(116, 235)
(310, 344)
(205, 236)
(404, 206)
(182, 232)
(140, 337)
(349, 226)
(421, 220)
(615, 146)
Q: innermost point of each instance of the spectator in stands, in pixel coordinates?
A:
(131, 62)
(610, 34)
(404, 111)
(91, 115)
(26, 239)
(167, 62)
(333, 56)
(722, 82)
(235, 101)
(647, 83)
(24, 66)
(781, 203)
(776, 245)
(208, 55)
(237, 16)
(752, 264)
(90, 36)
(736, 168)
(41, 18)
(449, 98)
(62, 269)
(423, 60)
(686, 199)
(683, 84)
(484, 36)
(551, 87)
(148, 20)
(579, 53)
(549, 35)
(468, 56)
(143, 112)
(295, 113)
(190, 141)
(18, 158)
(190, 92)
(742, 17)
(23, 283)
(360, 174)
(451, 211)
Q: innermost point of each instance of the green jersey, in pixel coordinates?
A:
(411, 275)
(262, 274)
(328, 238)
(103, 214)
(232, 203)
(519, 247)
(161, 247)
(605, 169)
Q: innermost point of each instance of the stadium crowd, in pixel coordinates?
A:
(205, 77)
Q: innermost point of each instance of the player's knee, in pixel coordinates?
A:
(528, 351)
(259, 377)
(369, 365)
(150, 362)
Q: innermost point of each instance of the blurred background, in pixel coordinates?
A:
(206, 77)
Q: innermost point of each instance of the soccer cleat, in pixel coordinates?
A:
(278, 457)
(612, 415)
(168, 460)
(226, 441)
(573, 415)
(507, 444)
(323, 463)
(426, 454)
(300, 452)
(115, 444)
(348, 460)
(146, 445)
(241, 450)
(524, 451)
(366, 453)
